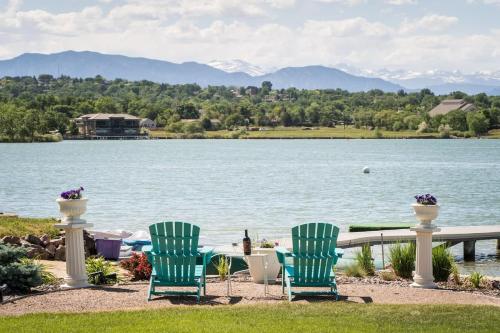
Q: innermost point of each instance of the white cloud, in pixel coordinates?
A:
(343, 2)
(486, 2)
(401, 2)
(432, 23)
(181, 30)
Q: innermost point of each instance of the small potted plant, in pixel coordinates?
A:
(426, 208)
(273, 266)
(72, 205)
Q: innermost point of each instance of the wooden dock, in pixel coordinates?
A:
(450, 235)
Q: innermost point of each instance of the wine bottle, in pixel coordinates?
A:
(247, 244)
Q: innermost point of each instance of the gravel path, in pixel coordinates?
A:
(133, 296)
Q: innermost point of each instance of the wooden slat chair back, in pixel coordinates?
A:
(173, 255)
(311, 260)
(175, 245)
(314, 255)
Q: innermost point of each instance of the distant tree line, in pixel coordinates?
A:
(32, 106)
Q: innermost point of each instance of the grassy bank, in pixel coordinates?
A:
(321, 317)
(301, 133)
(37, 138)
(21, 226)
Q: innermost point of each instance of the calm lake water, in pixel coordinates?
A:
(266, 186)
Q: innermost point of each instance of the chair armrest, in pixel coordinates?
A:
(206, 251)
(147, 249)
(283, 250)
(282, 253)
(339, 252)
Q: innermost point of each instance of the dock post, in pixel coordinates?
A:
(469, 250)
(498, 244)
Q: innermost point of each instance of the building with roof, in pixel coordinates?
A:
(147, 123)
(108, 125)
(449, 105)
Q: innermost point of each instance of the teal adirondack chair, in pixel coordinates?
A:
(173, 255)
(312, 260)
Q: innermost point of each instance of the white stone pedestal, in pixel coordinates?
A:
(423, 269)
(76, 274)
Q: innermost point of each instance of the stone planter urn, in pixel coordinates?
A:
(425, 213)
(72, 209)
(73, 225)
(423, 277)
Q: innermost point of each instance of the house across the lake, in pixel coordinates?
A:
(147, 123)
(108, 125)
(449, 105)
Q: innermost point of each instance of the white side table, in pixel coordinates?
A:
(258, 264)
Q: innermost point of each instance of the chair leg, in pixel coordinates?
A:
(283, 279)
(198, 293)
(151, 288)
(289, 288)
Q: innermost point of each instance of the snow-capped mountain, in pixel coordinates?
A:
(235, 65)
(432, 78)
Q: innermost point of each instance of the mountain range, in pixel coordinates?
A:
(240, 73)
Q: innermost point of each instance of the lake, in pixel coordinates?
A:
(266, 186)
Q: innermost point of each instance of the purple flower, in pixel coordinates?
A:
(72, 194)
(426, 199)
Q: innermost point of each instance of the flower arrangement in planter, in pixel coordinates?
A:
(426, 208)
(72, 194)
(426, 199)
(72, 204)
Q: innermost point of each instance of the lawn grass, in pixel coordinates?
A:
(318, 317)
(21, 226)
(494, 134)
(299, 133)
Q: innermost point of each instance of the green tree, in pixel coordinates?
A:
(477, 123)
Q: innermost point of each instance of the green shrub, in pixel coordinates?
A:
(365, 261)
(442, 263)
(455, 274)
(267, 245)
(377, 133)
(402, 259)
(388, 275)
(15, 273)
(475, 279)
(101, 271)
(48, 278)
(222, 267)
(354, 271)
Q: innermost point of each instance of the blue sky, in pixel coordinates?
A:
(414, 35)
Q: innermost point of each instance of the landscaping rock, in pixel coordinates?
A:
(56, 242)
(60, 253)
(33, 240)
(12, 240)
(90, 249)
(495, 284)
(37, 252)
(51, 249)
(25, 243)
(45, 239)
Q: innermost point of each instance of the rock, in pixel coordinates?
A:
(60, 253)
(51, 249)
(25, 243)
(33, 240)
(37, 252)
(45, 239)
(56, 242)
(495, 284)
(12, 240)
(89, 244)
